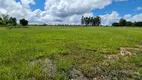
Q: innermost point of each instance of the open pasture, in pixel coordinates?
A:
(63, 53)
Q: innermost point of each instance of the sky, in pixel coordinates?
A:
(71, 11)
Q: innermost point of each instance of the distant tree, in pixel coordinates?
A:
(139, 24)
(98, 21)
(134, 24)
(129, 23)
(115, 24)
(0, 18)
(91, 20)
(94, 21)
(12, 21)
(5, 18)
(2, 22)
(122, 22)
(82, 20)
(23, 22)
(44, 24)
(87, 21)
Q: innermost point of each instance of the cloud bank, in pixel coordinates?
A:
(61, 11)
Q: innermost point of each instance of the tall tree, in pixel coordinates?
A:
(94, 21)
(5, 18)
(98, 19)
(139, 24)
(2, 22)
(129, 23)
(115, 24)
(82, 20)
(0, 18)
(86, 19)
(12, 21)
(24, 22)
(122, 22)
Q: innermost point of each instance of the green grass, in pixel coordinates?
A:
(83, 48)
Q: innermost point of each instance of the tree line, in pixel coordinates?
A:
(123, 22)
(91, 21)
(5, 20)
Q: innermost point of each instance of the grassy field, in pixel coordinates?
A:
(63, 53)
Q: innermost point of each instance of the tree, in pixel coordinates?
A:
(94, 21)
(138, 24)
(129, 23)
(82, 20)
(122, 22)
(98, 21)
(2, 22)
(0, 18)
(86, 20)
(23, 22)
(13, 21)
(5, 18)
(115, 24)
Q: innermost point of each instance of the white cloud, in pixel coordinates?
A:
(108, 19)
(16, 9)
(26, 3)
(56, 11)
(70, 11)
(3, 11)
(120, 0)
(138, 8)
(137, 17)
(61, 11)
(63, 8)
(127, 16)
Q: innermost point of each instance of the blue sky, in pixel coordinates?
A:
(123, 8)
(39, 4)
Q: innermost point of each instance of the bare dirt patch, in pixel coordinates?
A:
(77, 75)
(49, 70)
(139, 46)
(124, 52)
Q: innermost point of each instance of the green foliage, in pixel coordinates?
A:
(138, 24)
(2, 22)
(23, 22)
(122, 22)
(115, 24)
(0, 18)
(5, 20)
(129, 23)
(12, 21)
(91, 21)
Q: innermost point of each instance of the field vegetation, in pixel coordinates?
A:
(63, 53)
